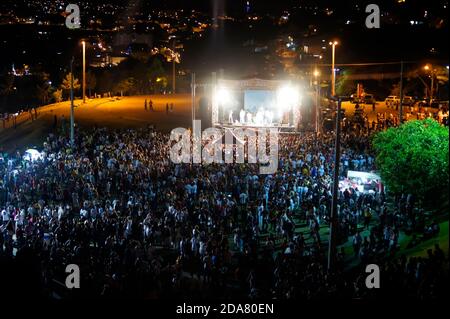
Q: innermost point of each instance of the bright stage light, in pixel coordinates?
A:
(223, 96)
(287, 97)
(32, 155)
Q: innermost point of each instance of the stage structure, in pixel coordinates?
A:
(256, 103)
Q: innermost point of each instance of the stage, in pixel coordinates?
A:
(281, 128)
(256, 104)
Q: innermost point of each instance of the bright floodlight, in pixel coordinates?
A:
(287, 97)
(223, 96)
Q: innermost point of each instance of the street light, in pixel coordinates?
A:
(428, 67)
(316, 74)
(72, 115)
(333, 71)
(334, 216)
(84, 70)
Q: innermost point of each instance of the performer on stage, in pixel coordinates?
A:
(249, 118)
(259, 119)
(242, 117)
(269, 116)
(230, 117)
(266, 117)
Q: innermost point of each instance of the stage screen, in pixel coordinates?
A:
(257, 99)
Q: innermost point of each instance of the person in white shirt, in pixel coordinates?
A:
(83, 213)
(202, 248)
(242, 117)
(230, 117)
(194, 245)
(259, 118)
(243, 198)
(5, 216)
(249, 118)
(61, 212)
(260, 216)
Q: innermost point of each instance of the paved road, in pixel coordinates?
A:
(125, 112)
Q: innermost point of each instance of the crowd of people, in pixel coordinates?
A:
(139, 225)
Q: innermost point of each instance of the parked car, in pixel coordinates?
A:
(408, 100)
(392, 100)
(423, 102)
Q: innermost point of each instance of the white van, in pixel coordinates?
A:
(392, 100)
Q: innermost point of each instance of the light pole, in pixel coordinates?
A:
(72, 120)
(173, 68)
(316, 82)
(173, 77)
(333, 71)
(193, 87)
(401, 93)
(432, 75)
(334, 217)
(84, 70)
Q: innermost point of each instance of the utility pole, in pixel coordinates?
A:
(333, 71)
(193, 98)
(319, 114)
(173, 77)
(401, 93)
(84, 71)
(213, 92)
(432, 86)
(72, 120)
(317, 110)
(316, 83)
(334, 216)
(173, 68)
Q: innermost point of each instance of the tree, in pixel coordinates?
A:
(43, 88)
(7, 84)
(65, 85)
(157, 75)
(57, 95)
(345, 85)
(125, 86)
(420, 82)
(91, 82)
(43, 92)
(6, 87)
(413, 158)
